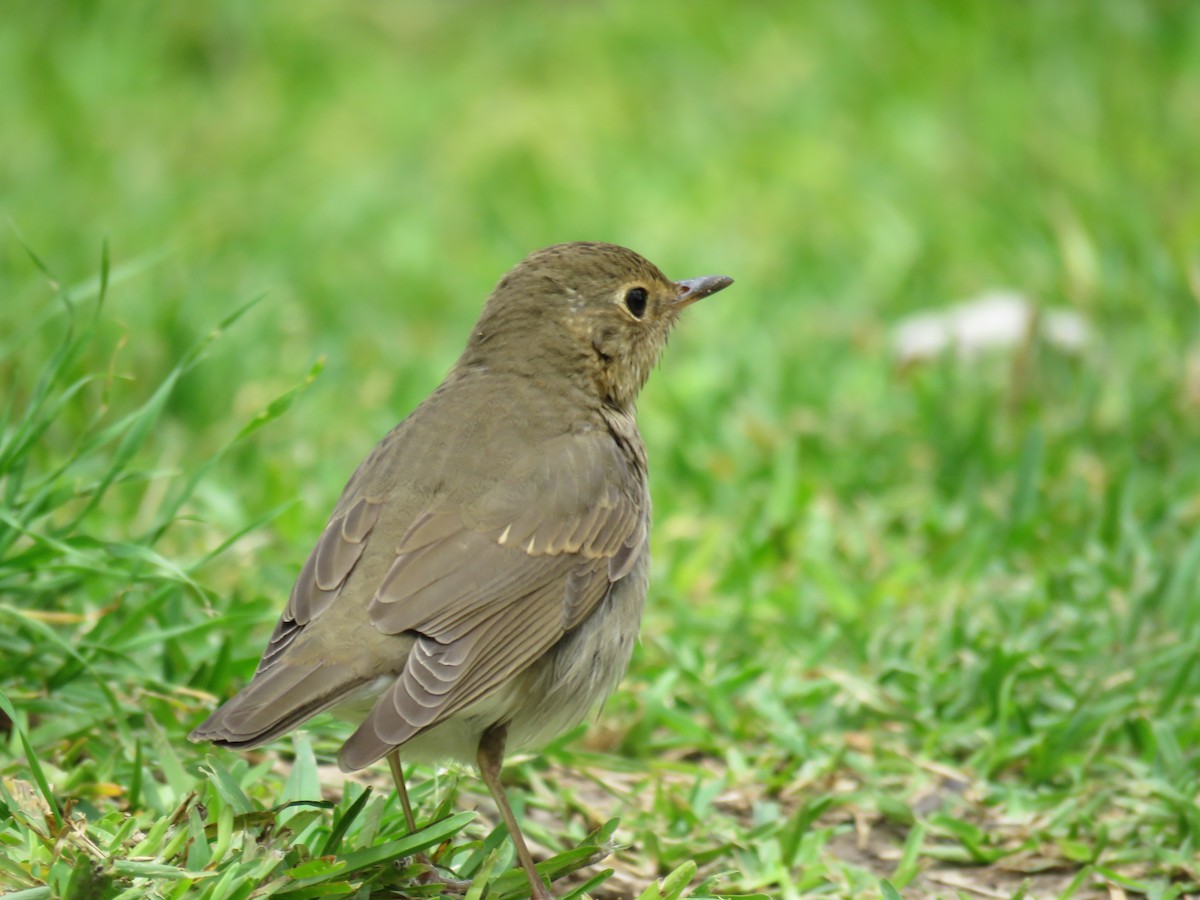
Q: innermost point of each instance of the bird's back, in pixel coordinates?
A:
(483, 447)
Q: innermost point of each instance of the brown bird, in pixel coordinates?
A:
(480, 583)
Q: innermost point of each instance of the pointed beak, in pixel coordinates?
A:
(693, 289)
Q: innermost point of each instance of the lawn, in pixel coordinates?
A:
(916, 628)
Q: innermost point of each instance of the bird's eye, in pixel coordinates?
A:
(635, 301)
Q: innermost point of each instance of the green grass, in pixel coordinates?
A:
(912, 632)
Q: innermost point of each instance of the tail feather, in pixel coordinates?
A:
(275, 702)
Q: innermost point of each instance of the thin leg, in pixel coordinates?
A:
(393, 759)
(491, 758)
(449, 884)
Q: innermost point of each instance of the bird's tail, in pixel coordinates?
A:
(276, 701)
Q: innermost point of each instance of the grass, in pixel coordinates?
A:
(923, 631)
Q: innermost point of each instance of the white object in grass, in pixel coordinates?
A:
(989, 321)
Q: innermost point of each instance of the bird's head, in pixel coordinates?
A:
(592, 313)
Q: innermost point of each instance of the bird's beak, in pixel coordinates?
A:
(692, 289)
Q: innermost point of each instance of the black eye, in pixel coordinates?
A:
(635, 301)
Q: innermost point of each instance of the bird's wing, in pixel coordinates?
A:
(284, 692)
(320, 582)
(486, 590)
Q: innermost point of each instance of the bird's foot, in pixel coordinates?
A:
(432, 873)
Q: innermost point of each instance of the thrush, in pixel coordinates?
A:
(480, 583)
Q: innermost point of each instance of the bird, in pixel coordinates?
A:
(480, 583)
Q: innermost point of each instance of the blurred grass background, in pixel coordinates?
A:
(861, 572)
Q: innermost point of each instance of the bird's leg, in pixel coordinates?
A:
(393, 759)
(491, 758)
(453, 885)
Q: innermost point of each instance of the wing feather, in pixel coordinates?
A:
(481, 590)
(488, 591)
(338, 551)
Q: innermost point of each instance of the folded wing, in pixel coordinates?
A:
(488, 589)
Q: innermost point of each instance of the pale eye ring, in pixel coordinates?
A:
(635, 301)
